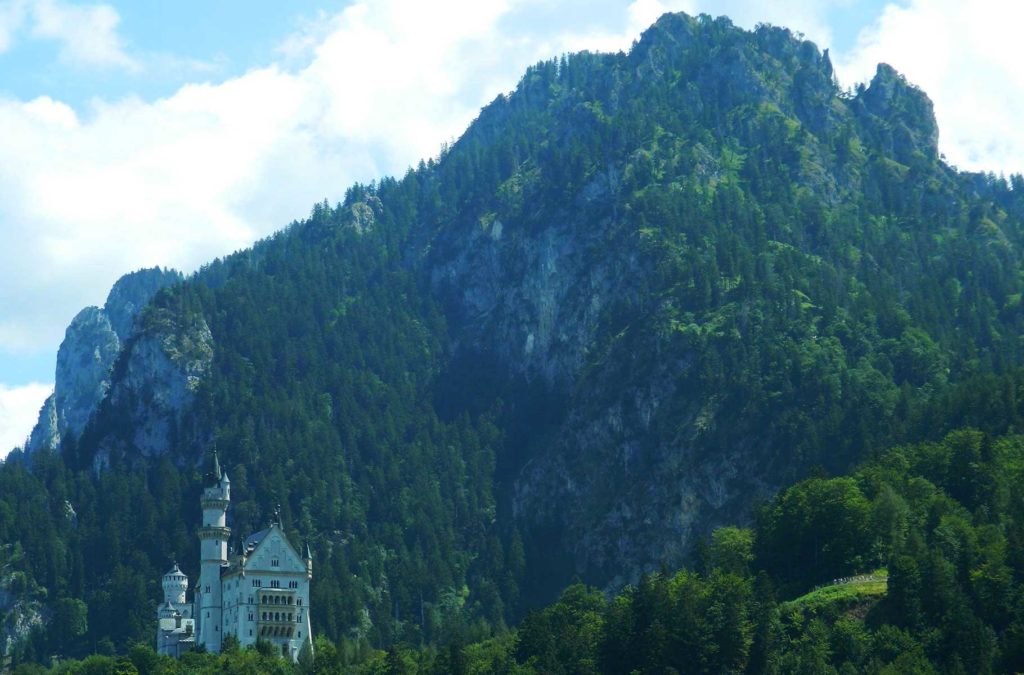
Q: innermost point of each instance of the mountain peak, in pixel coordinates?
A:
(131, 293)
(906, 114)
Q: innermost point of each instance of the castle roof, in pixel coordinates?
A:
(216, 465)
(254, 539)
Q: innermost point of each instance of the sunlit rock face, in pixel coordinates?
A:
(155, 384)
(91, 345)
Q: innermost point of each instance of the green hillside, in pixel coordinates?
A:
(947, 516)
(641, 294)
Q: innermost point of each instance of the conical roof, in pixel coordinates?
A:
(216, 466)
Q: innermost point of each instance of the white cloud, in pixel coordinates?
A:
(809, 17)
(19, 407)
(87, 33)
(12, 16)
(86, 196)
(966, 57)
(638, 16)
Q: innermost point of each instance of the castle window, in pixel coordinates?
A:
(289, 600)
(300, 602)
(274, 562)
(300, 633)
(250, 632)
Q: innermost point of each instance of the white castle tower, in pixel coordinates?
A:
(213, 556)
(175, 585)
(176, 627)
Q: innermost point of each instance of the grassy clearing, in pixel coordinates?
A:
(842, 594)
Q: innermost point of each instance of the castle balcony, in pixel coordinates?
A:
(219, 533)
(279, 622)
(213, 501)
(277, 599)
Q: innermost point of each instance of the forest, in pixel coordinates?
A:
(941, 524)
(762, 281)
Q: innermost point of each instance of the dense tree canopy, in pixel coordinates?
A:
(788, 271)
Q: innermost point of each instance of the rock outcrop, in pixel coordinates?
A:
(21, 608)
(156, 381)
(91, 345)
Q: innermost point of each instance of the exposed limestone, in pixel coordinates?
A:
(91, 345)
(166, 361)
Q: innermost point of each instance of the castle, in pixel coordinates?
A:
(260, 593)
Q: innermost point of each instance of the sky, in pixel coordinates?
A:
(139, 134)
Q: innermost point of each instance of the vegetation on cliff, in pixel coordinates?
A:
(639, 295)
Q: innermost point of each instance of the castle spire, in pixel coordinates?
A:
(216, 466)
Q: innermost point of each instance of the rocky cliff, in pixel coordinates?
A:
(590, 291)
(21, 608)
(155, 383)
(91, 345)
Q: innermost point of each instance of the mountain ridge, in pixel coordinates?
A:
(638, 295)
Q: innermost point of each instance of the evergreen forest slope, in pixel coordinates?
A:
(638, 296)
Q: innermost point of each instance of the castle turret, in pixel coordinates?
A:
(175, 585)
(307, 557)
(174, 615)
(213, 537)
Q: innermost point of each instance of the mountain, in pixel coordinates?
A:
(639, 295)
(87, 354)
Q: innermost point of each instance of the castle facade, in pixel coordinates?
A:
(259, 593)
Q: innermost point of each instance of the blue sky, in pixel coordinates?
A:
(140, 133)
(175, 42)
